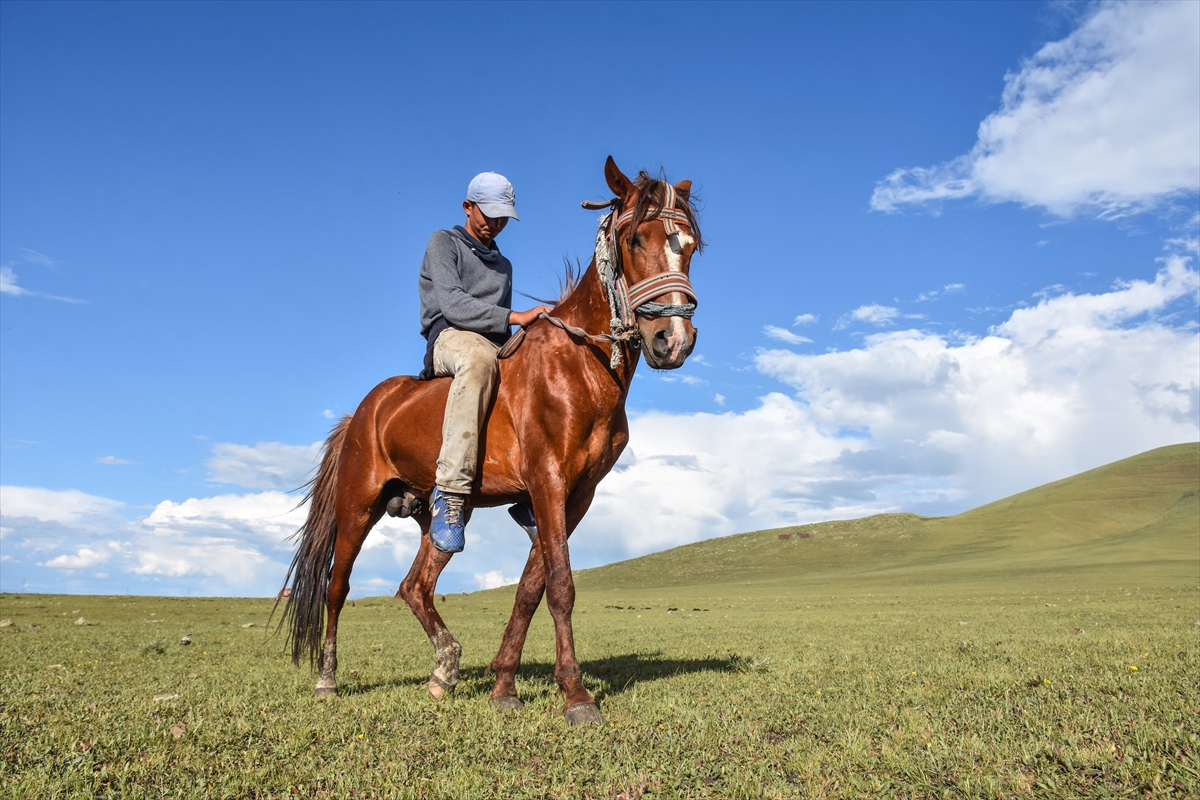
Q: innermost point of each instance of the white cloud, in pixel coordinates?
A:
(328, 414)
(493, 579)
(8, 282)
(266, 515)
(85, 557)
(719, 399)
(227, 543)
(228, 537)
(67, 507)
(686, 477)
(784, 335)
(112, 460)
(266, 465)
(874, 314)
(398, 537)
(1105, 121)
(805, 319)
(1031, 396)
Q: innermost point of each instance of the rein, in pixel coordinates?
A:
(626, 302)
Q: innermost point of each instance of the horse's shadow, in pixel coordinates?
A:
(607, 677)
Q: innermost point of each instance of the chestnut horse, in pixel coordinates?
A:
(556, 428)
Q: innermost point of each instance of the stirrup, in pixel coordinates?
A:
(522, 514)
(447, 527)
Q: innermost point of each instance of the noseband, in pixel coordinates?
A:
(625, 301)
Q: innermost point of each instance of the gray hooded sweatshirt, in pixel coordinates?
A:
(466, 285)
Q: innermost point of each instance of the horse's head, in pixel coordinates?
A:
(657, 235)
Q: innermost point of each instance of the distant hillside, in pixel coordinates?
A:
(1133, 520)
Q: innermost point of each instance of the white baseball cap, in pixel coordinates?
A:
(494, 195)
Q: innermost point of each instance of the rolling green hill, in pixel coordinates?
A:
(1140, 515)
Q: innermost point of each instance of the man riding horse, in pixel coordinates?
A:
(466, 316)
(554, 429)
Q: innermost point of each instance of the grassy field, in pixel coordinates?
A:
(1043, 646)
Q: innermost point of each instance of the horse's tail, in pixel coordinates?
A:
(304, 611)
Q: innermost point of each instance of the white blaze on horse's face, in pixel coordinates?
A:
(673, 250)
(677, 337)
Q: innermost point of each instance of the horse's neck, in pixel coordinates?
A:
(587, 308)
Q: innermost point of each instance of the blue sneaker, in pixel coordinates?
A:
(447, 529)
(522, 514)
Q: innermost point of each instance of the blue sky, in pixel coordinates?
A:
(952, 256)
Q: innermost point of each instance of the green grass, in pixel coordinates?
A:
(985, 655)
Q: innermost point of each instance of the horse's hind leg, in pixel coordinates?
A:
(352, 532)
(417, 590)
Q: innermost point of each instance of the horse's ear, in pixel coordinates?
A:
(620, 185)
(684, 189)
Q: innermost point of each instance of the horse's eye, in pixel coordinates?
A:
(636, 241)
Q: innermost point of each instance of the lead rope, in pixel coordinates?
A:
(621, 322)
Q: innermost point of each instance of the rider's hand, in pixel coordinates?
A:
(524, 318)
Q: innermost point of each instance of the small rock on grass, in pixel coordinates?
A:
(4, 623)
(185, 641)
(82, 621)
(248, 625)
(178, 729)
(158, 698)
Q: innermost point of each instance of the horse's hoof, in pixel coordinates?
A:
(323, 692)
(584, 714)
(437, 688)
(509, 702)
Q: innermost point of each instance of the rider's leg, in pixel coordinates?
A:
(471, 360)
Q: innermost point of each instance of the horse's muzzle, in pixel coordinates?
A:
(668, 341)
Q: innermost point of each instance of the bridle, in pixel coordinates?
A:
(625, 302)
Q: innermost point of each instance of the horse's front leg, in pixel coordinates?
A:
(508, 660)
(549, 508)
(417, 590)
(532, 586)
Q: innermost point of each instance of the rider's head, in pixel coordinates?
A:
(489, 205)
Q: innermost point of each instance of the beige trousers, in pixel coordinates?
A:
(471, 359)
